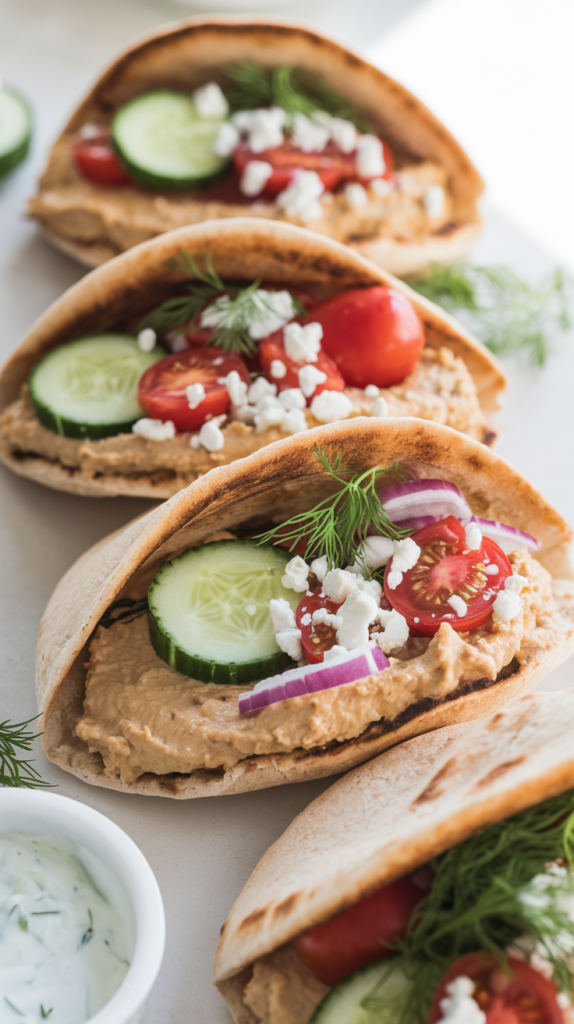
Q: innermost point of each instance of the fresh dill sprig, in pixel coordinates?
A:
(486, 895)
(293, 89)
(16, 771)
(506, 312)
(233, 307)
(339, 524)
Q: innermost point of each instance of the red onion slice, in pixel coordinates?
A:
(413, 499)
(507, 537)
(296, 682)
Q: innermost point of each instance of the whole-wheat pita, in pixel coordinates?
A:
(274, 483)
(389, 816)
(185, 55)
(241, 249)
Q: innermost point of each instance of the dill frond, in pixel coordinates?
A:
(16, 771)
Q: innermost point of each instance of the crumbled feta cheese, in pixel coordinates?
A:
(289, 641)
(88, 131)
(292, 398)
(372, 588)
(194, 442)
(333, 653)
(321, 617)
(377, 551)
(338, 584)
(308, 135)
(154, 430)
(195, 394)
(355, 194)
(515, 583)
(356, 613)
(260, 387)
(370, 157)
(210, 101)
(562, 999)
(395, 630)
(306, 619)
(433, 200)
(458, 1006)
(381, 187)
(282, 614)
(394, 579)
(330, 406)
(268, 312)
(294, 422)
(272, 416)
(319, 567)
(255, 176)
(372, 391)
(309, 377)
(492, 570)
(147, 339)
(210, 436)
(406, 554)
(357, 570)
(458, 605)
(264, 127)
(303, 342)
(343, 134)
(507, 605)
(380, 408)
(236, 387)
(226, 140)
(473, 537)
(278, 369)
(245, 413)
(296, 573)
(301, 197)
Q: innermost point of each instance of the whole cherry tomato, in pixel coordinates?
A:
(524, 997)
(374, 335)
(356, 937)
(162, 388)
(320, 638)
(97, 161)
(273, 348)
(446, 568)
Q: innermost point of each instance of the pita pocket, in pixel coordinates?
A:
(456, 380)
(115, 714)
(424, 211)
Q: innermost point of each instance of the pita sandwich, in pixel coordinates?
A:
(383, 821)
(116, 715)
(456, 381)
(430, 216)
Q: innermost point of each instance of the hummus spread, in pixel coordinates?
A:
(116, 219)
(143, 716)
(440, 388)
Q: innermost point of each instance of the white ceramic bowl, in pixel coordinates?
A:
(40, 813)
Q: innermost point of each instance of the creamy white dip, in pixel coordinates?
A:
(62, 945)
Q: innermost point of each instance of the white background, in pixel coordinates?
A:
(500, 73)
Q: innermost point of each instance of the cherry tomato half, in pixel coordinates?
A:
(527, 997)
(320, 638)
(97, 161)
(161, 391)
(354, 938)
(374, 335)
(273, 348)
(332, 165)
(445, 568)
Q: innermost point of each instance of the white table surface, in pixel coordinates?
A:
(201, 851)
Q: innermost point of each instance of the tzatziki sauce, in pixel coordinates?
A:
(63, 948)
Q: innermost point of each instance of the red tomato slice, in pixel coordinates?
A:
(316, 639)
(527, 997)
(445, 568)
(273, 347)
(331, 164)
(374, 335)
(354, 938)
(97, 161)
(161, 392)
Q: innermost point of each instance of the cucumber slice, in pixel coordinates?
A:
(370, 994)
(209, 612)
(163, 141)
(89, 387)
(15, 128)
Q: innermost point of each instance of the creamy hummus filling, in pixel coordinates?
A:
(75, 209)
(143, 716)
(440, 388)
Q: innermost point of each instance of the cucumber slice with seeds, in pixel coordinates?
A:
(15, 129)
(164, 143)
(368, 995)
(89, 387)
(209, 612)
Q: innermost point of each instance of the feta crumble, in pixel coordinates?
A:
(372, 391)
(321, 617)
(268, 312)
(236, 388)
(282, 614)
(210, 101)
(380, 408)
(338, 584)
(278, 369)
(406, 555)
(301, 197)
(295, 576)
(195, 394)
(270, 415)
(355, 194)
(319, 567)
(264, 127)
(154, 430)
(254, 178)
(210, 436)
(330, 406)
(147, 339)
(292, 398)
(370, 157)
(289, 641)
(433, 200)
(395, 630)
(492, 570)
(260, 387)
(515, 583)
(309, 377)
(294, 422)
(458, 605)
(303, 342)
(376, 551)
(308, 134)
(473, 537)
(507, 605)
(458, 1006)
(343, 134)
(356, 614)
(333, 653)
(381, 187)
(226, 140)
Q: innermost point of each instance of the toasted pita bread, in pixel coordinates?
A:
(184, 55)
(273, 484)
(241, 249)
(390, 816)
